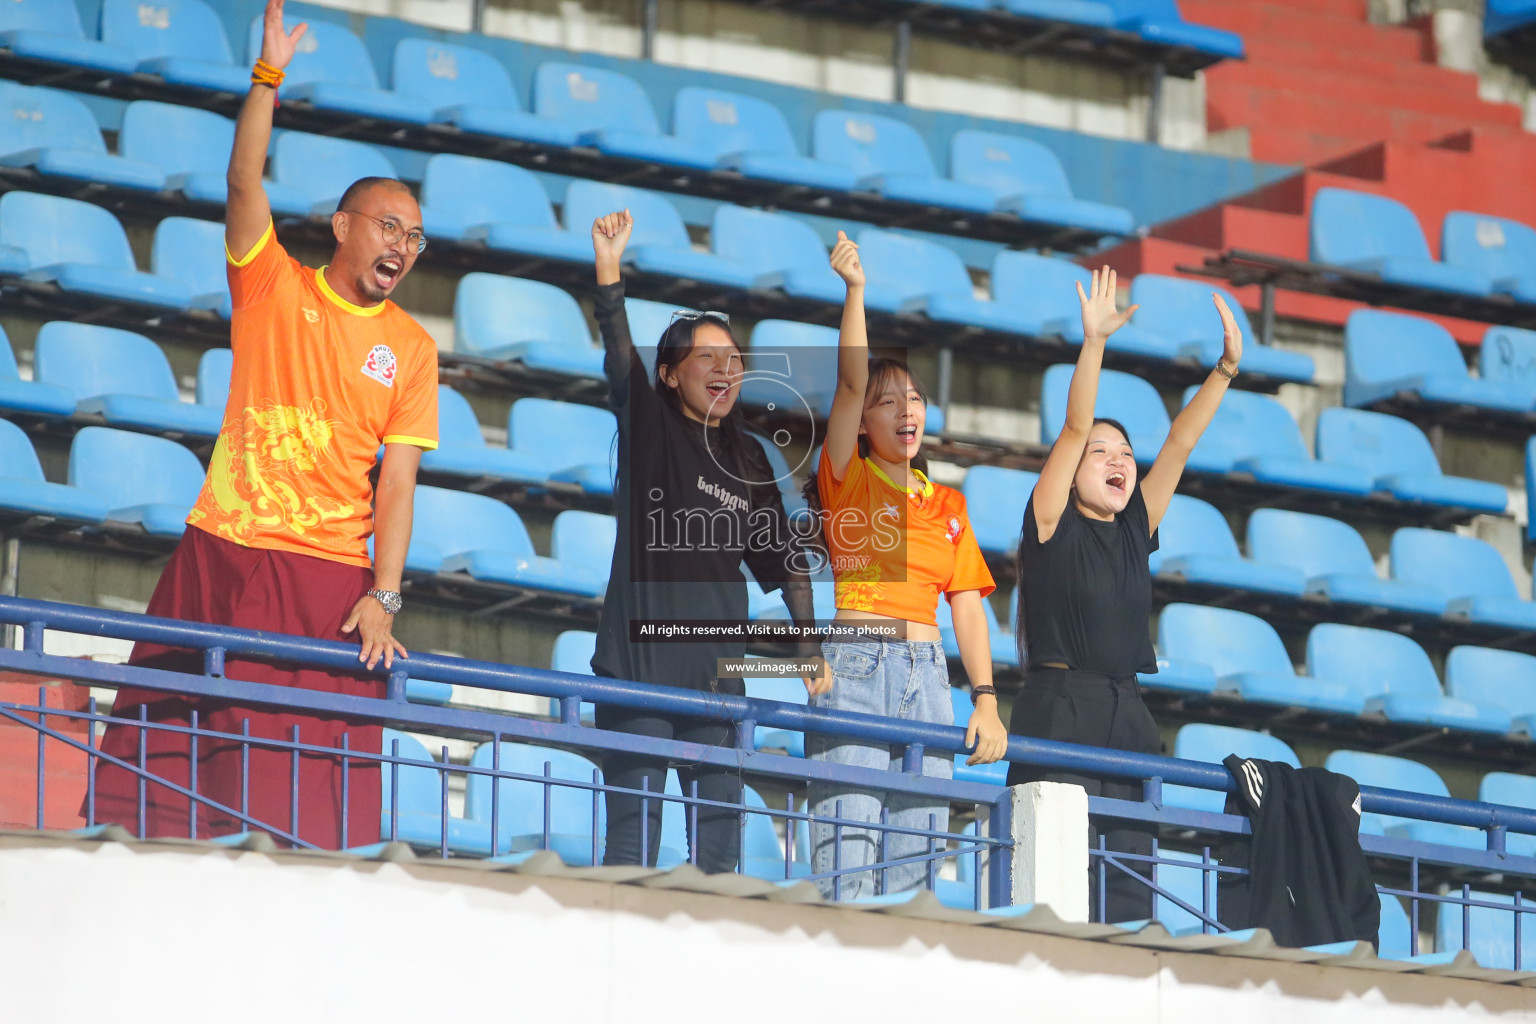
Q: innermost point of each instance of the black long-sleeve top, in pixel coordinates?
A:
(685, 525)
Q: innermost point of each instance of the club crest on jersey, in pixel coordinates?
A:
(952, 530)
(380, 365)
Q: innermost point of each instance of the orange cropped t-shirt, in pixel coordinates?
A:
(894, 551)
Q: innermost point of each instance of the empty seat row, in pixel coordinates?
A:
(580, 105)
(1479, 254)
(1295, 554)
(1392, 356)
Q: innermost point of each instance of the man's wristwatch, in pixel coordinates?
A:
(1226, 371)
(390, 599)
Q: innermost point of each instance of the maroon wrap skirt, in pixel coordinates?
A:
(217, 581)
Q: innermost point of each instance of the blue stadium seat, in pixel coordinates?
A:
(1502, 250)
(1196, 545)
(908, 274)
(49, 30)
(786, 690)
(1396, 678)
(81, 248)
(462, 450)
(469, 199)
(1469, 572)
(121, 376)
(572, 653)
(191, 148)
(1490, 935)
(332, 70)
(1081, 12)
(213, 373)
(1213, 744)
(1028, 179)
(781, 250)
(1374, 233)
(1042, 292)
(24, 491)
(419, 818)
(520, 804)
(648, 321)
(1335, 561)
(1005, 651)
(890, 157)
(746, 134)
(784, 359)
(182, 41)
(762, 853)
(1495, 679)
(1390, 354)
(457, 531)
(1122, 396)
(1512, 790)
(1253, 433)
(760, 603)
(994, 499)
(577, 442)
(1399, 458)
(529, 322)
(143, 479)
(1181, 311)
(1384, 771)
(317, 169)
(1192, 885)
(1503, 16)
(1507, 356)
(1530, 487)
(1248, 658)
(612, 112)
(191, 253)
(1393, 935)
(584, 539)
(1159, 21)
(660, 243)
(472, 91)
(55, 134)
(29, 396)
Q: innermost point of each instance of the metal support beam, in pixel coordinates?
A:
(477, 16)
(901, 59)
(648, 18)
(1267, 313)
(946, 381)
(1155, 104)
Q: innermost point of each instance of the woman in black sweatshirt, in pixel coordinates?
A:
(695, 497)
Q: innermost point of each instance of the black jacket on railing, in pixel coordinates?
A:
(1308, 881)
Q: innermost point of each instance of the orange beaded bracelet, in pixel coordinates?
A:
(263, 73)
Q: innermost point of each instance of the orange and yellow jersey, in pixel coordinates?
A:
(894, 552)
(318, 385)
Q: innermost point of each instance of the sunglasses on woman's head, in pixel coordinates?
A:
(699, 314)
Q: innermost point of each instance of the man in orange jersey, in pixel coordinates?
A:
(326, 369)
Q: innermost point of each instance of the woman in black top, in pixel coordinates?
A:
(695, 496)
(1085, 588)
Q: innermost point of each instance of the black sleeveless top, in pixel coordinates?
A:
(1085, 595)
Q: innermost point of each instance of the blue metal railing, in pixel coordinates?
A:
(990, 848)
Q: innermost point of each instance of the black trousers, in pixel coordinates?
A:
(719, 830)
(1096, 710)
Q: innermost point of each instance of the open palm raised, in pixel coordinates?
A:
(277, 46)
(1100, 318)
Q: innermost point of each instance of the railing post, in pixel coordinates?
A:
(1050, 847)
(998, 863)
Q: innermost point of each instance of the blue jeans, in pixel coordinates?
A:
(906, 679)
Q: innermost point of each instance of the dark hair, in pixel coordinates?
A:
(882, 369)
(1114, 423)
(728, 439)
(360, 187)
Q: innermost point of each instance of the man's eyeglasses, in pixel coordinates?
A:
(699, 314)
(415, 241)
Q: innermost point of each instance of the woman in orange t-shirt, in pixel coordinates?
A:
(898, 543)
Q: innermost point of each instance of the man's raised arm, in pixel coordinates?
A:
(248, 213)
